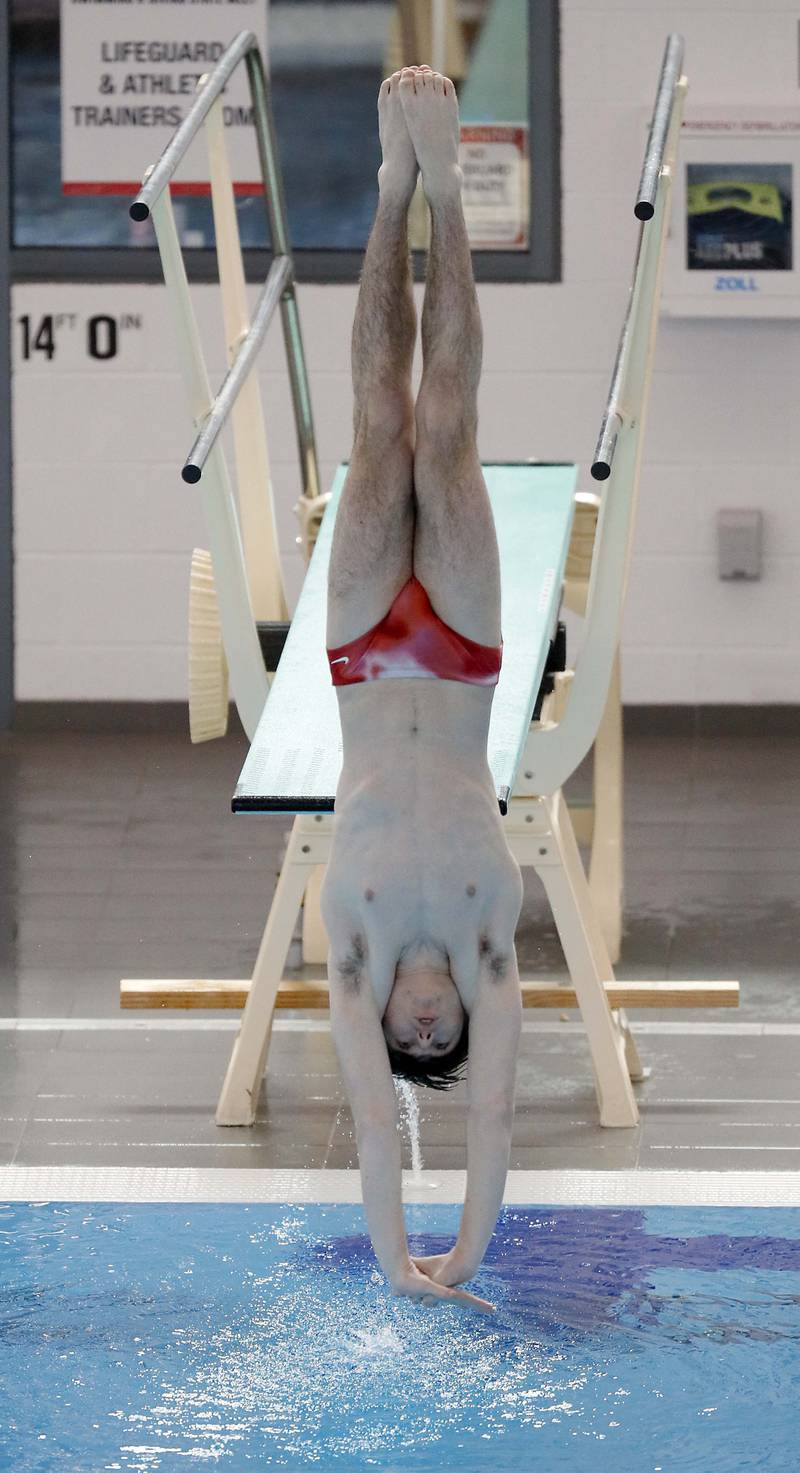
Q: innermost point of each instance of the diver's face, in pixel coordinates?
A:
(424, 1016)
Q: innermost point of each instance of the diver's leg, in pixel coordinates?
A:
(371, 556)
(455, 547)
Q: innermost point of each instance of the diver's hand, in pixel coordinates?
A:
(412, 1283)
(446, 1268)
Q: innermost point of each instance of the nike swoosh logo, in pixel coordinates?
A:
(342, 660)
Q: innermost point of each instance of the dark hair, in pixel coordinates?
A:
(440, 1071)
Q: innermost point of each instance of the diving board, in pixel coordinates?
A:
(294, 761)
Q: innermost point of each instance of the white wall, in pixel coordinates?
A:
(105, 527)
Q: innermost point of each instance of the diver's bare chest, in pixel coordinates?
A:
(410, 867)
(413, 894)
(413, 872)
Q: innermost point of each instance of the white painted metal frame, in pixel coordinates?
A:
(555, 747)
(247, 575)
(253, 481)
(590, 577)
(237, 619)
(554, 750)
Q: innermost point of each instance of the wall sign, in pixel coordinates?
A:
(494, 158)
(733, 250)
(128, 77)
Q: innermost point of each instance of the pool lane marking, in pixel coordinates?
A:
(638, 1188)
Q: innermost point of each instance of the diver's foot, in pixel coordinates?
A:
(397, 175)
(430, 107)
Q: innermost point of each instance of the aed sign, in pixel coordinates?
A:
(129, 70)
(732, 247)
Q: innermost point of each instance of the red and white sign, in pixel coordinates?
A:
(129, 70)
(494, 158)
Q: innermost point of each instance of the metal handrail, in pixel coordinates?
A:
(184, 135)
(659, 128)
(279, 286)
(555, 749)
(644, 210)
(280, 272)
(612, 419)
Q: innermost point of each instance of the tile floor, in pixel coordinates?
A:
(119, 857)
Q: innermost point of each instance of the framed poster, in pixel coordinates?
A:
(732, 249)
(128, 78)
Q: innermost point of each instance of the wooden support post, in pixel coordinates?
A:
(238, 1101)
(315, 937)
(606, 863)
(540, 834)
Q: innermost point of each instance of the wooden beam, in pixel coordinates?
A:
(193, 992)
(201, 993)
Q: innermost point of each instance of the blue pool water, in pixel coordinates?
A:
(169, 1336)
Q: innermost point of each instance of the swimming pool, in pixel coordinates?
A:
(258, 1334)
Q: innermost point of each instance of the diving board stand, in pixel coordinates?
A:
(240, 580)
(295, 760)
(293, 767)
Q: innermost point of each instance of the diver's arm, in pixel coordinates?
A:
(494, 1033)
(361, 1047)
(380, 1166)
(364, 1063)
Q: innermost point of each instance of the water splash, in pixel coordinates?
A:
(409, 1114)
(383, 1344)
(408, 1104)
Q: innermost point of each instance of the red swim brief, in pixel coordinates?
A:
(412, 640)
